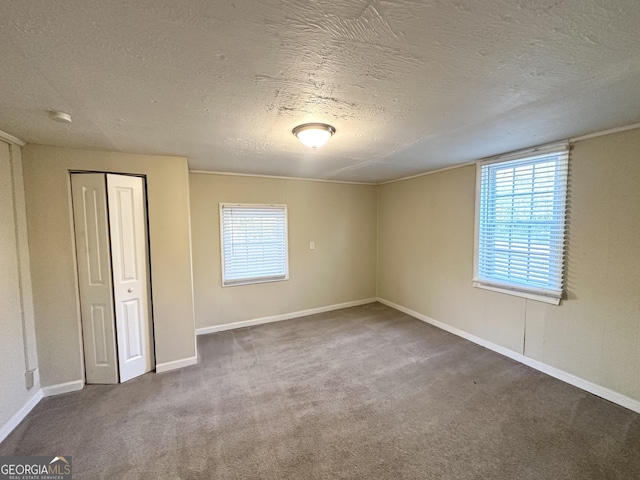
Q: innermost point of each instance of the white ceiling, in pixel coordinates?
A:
(410, 85)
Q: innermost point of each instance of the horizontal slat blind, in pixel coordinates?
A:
(521, 229)
(254, 243)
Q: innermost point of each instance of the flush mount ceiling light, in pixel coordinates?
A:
(59, 116)
(314, 135)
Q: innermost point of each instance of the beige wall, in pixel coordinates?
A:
(48, 193)
(421, 229)
(339, 218)
(17, 341)
(426, 264)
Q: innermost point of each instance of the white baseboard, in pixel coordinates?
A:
(40, 393)
(278, 318)
(73, 386)
(61, 388)
(569, 378)
(176, 364)
(17, 417)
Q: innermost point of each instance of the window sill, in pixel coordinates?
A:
(252, 281)
(518, 293)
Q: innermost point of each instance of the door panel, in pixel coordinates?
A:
(127, 238)
(127, 220)
(99, 331)
(132, 320)
(94, 276)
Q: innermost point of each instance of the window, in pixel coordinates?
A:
(254, 243)
(520, 223)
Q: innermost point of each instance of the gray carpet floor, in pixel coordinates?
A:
(360, 393)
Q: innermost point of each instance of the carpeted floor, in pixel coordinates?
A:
(362, 393)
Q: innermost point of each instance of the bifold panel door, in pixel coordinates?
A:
(94, 276)
(111, 245)
(129, 251)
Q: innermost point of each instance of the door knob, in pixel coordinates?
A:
(130, 290)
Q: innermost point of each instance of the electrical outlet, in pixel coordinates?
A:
(312, 245)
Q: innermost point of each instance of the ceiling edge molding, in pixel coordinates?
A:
(431, 172)
(11, 139)
(572, 140)
(602, 133)
(232, 174)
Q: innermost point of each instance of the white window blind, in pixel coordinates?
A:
(521, 223)
(254, 243)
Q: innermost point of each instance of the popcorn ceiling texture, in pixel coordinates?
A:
(410, 85)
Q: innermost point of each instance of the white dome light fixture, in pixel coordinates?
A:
(314, 135)
(58, 116)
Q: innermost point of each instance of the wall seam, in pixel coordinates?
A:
(378, 240)
(19, 259)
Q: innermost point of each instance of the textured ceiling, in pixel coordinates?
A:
(410, 85)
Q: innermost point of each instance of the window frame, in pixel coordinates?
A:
(253, 280)
(528, 292)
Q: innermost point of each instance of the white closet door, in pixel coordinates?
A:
(94, 276)
(130, 285)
